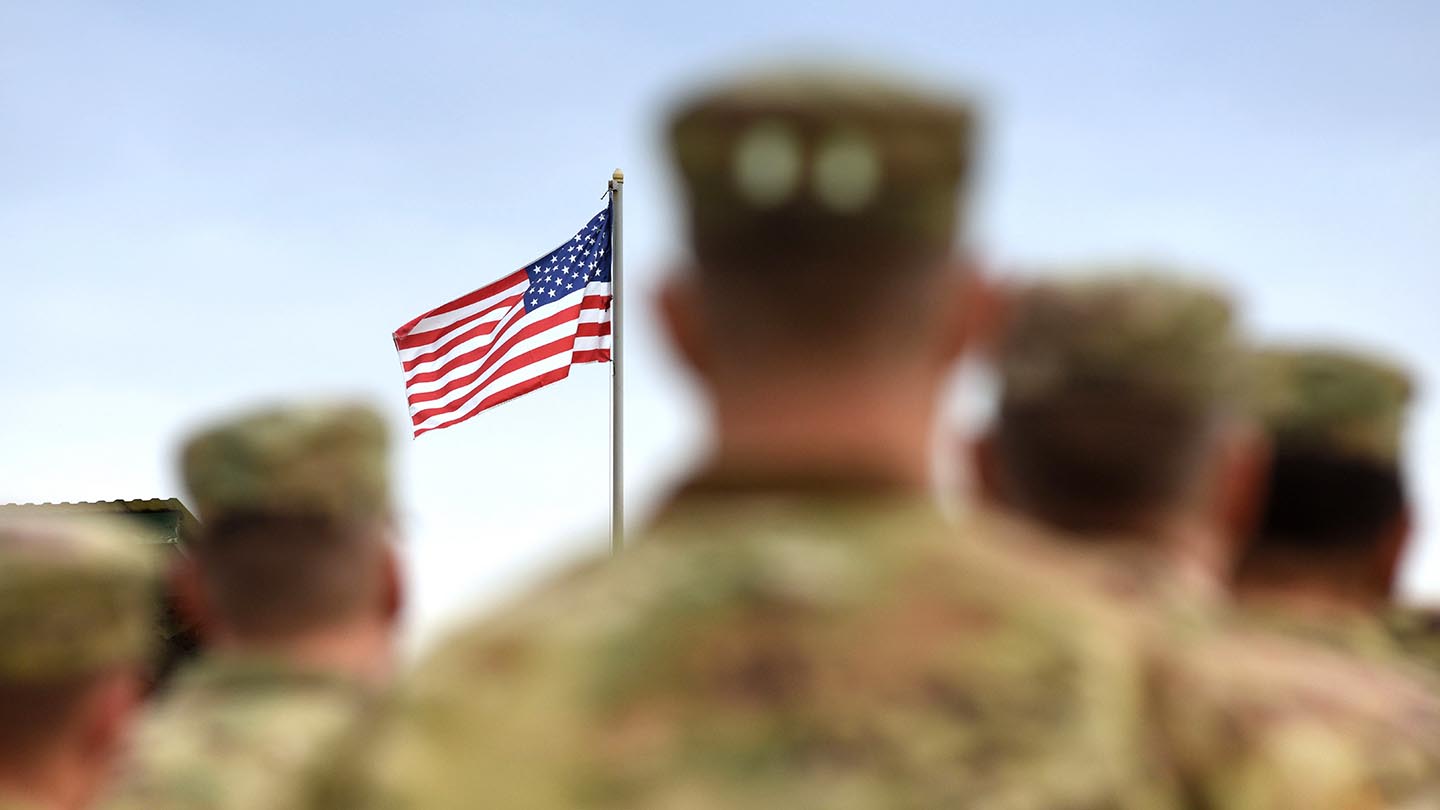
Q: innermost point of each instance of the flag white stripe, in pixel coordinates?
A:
(535, 341)
(447, 318)
(479, 341)
(539, 367)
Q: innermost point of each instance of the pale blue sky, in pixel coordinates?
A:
(207, 204)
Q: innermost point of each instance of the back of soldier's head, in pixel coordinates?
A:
(822, 204)
(1336, 420)
(295, 507)
(77, 607)
(1114, 388)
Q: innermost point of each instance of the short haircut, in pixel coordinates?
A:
(279, 575)
(1326, 502)
(1100, 462)
(822, 304)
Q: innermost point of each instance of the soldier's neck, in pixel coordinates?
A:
(364, 651)
(1290, 585)
(52, 785)
(883, 434)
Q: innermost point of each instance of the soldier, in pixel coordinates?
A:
(1124, 446)
(798, 628)
(76, 619)
(1120, 430)
(295, 582)
(1324, 559)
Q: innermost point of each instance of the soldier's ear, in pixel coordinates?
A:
(971, 318)
(678, 301)
(392, 585)
(985, 469)
(1390, 551)
(105, 717)
(1239, 486)
(186, 582)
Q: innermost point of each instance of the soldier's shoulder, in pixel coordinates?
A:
(692, 661)
(214, 745)
(1250, 711)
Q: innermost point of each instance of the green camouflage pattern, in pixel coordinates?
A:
(812, 654)
(319, 459)
(1416, 630)
(1331, 399)
(233, 732)
(773, 653)
(76, 596)
(1254, 709)
(821, 154)
(1118, 331)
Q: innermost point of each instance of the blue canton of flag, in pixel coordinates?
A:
(582, 261)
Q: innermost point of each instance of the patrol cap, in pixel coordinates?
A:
(76, 596)
(1332, 399)
(312, 459)
(1122, 330)
(806, 161)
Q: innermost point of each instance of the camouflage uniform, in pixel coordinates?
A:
(1416, 629)
(232, 732)
(76, 599)
(828, 649)
(1350, 406)
(1242, 706)
(235, 729)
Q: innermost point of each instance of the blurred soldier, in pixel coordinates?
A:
(1125, 446)
(1325, 557)
(76, 627)
(798, 628)
(295, 582)
(1120, 431)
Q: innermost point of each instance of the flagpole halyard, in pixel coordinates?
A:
(617, 369)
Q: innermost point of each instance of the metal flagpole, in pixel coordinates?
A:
(617, 369)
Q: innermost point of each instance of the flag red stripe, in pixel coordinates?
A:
(466, 300)
(504, 395)
(515, 363)
(491, 354)
(479, 330)
(418, 339)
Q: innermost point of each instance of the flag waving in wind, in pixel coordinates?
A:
(512, 336)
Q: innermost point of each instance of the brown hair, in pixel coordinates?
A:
(277, 575)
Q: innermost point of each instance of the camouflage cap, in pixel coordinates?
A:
(830, 159)
(76, 596)
(1334, 399)
(329, 460)
(1119, 330)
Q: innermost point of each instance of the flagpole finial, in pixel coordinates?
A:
(618, 176)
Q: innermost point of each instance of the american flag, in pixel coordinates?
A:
(513, 336)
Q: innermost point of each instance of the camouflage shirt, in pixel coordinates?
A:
(801, 652)
(806, 653)
(1260, 710)
(233, 733)
(1416, 631)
